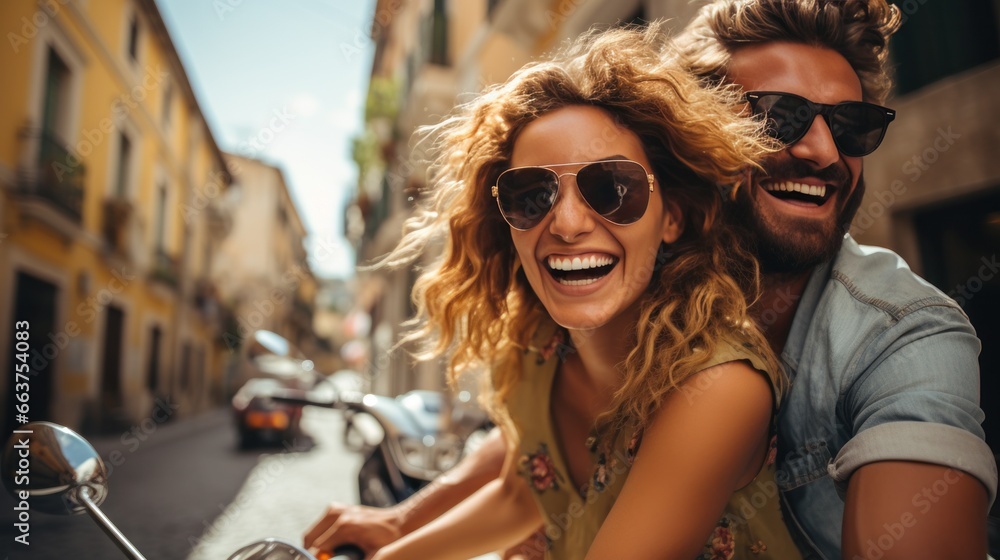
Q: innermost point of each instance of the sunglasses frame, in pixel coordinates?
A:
(495, 189)
(827, 111)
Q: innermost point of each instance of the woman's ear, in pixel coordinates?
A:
(673, 222)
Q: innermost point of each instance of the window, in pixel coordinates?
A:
(938, 39)
(133, 38)
(439, 34)
(56, 89)
(153, 369)
(491, 6)
(124, 164)
(186, 367)
(168, 99)
(161, 218)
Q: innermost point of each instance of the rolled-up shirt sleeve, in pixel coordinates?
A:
(923, 442)
(918, 400)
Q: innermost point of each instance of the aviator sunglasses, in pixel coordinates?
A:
(857, 127)
(617, 189)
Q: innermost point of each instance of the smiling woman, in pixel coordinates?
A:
(585, 265)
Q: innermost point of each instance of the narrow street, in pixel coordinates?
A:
(186, 491)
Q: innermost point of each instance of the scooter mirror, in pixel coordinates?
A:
(62, 466)
(272, 343)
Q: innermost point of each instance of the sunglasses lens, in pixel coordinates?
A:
(858, 128)
(525, 195)
(788, 117)
(617, 190)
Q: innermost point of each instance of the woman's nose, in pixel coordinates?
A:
(571, 215)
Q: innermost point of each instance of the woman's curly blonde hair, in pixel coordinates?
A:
(476, 305)
(857, 29)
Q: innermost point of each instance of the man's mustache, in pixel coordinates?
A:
(836, 174)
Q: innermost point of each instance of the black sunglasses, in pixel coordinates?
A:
(857, 127)
(616, 189)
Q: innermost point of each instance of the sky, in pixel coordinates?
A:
(306, 62)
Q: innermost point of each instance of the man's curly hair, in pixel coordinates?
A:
(857, 29)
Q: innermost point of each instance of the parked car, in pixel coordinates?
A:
(268, 354)
(260, 419)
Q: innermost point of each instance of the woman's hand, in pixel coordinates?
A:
(365, 527)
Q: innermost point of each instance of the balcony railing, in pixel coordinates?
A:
(57, 176)
(166, 269)
(117, 214)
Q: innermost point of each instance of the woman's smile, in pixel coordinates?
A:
(580, 269)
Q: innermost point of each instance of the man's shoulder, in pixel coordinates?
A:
(880, 278)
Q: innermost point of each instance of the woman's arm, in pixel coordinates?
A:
(500, 514)
(372, 528)
(707, 440)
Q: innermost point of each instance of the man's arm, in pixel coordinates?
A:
(373, 528)
(919, 477)
(900, 509)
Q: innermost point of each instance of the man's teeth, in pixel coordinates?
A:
(790, 186)
(577, 263)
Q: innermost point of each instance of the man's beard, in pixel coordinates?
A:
(788, 248)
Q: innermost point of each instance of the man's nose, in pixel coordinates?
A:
(571, 215)
(817, 145)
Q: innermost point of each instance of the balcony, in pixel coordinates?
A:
(166, 269)
(50, 184)
(117, 216)
(205, 300)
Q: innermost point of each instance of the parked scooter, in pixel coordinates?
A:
(52, 469)
(407, 441)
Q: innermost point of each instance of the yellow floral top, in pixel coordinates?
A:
(750, 527)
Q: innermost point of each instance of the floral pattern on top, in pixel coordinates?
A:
(633, 446)
(557, 345)
(772, 451)
(599, 480)
(721, 545)
(540, 470)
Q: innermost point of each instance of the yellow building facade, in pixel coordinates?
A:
(110, 210)
(261, 270)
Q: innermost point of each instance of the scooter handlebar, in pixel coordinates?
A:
(346, 552)
(293, 397)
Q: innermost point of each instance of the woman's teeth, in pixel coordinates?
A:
(578, 263)
(582, 282)
(580, 271)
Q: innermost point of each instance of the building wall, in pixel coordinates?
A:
(261, 269)
(943, 146)
(106, 258)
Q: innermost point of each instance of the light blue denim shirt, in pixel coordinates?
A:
(883, 366)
